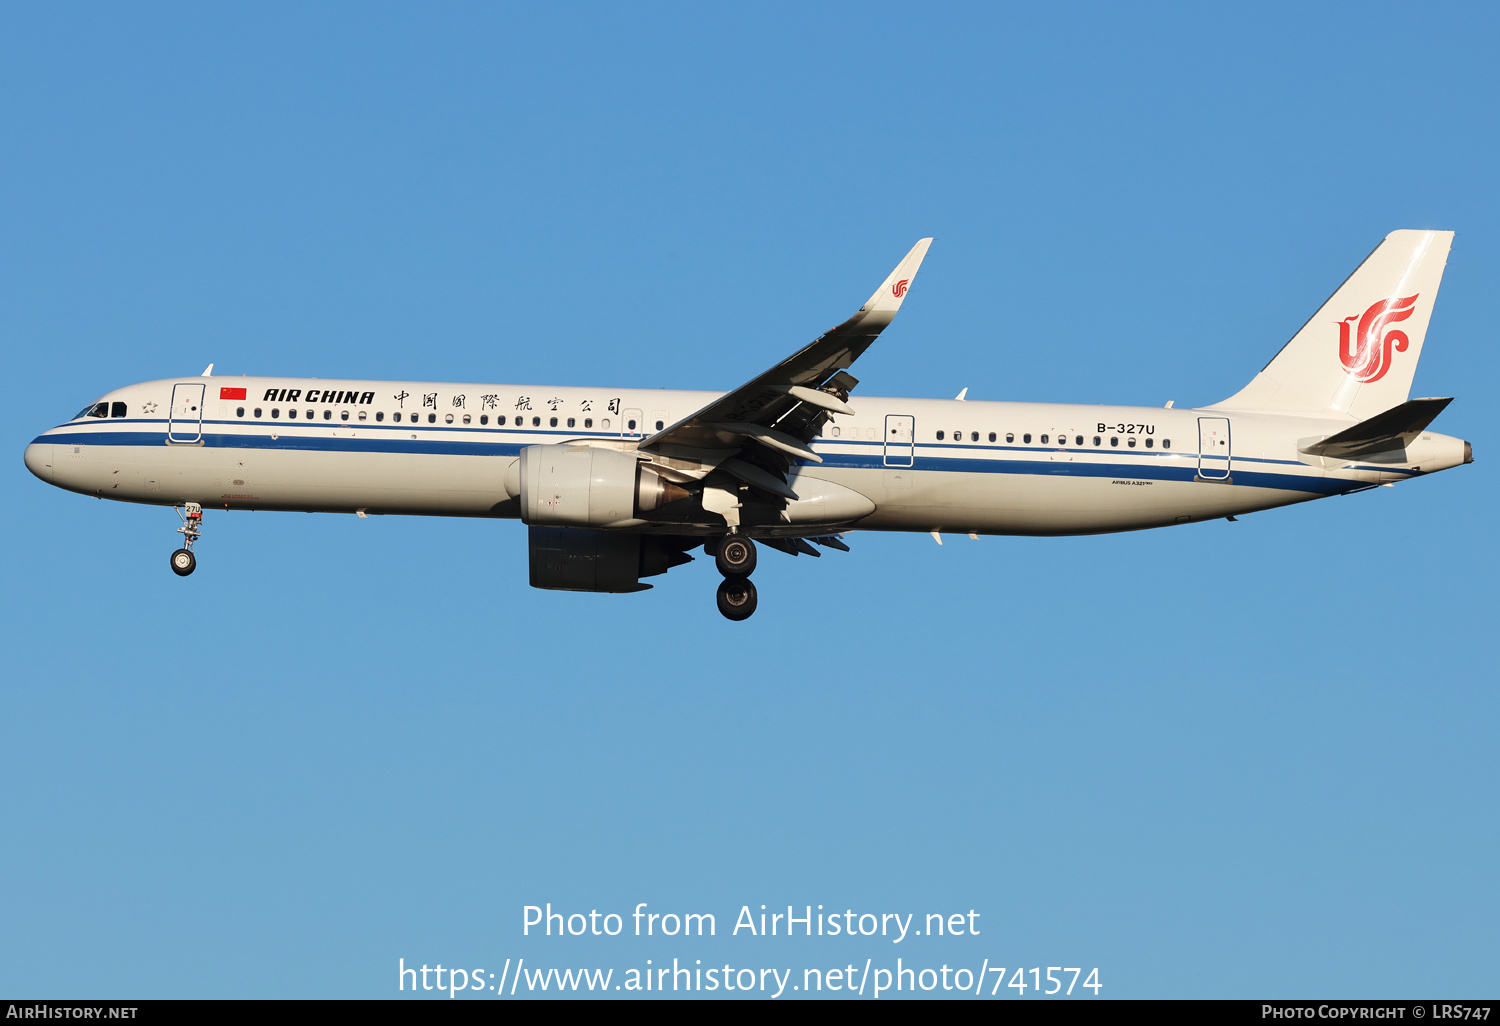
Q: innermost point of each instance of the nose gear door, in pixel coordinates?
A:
(900, 440)
(186, 423)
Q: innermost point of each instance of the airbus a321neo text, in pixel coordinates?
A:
(618, 484)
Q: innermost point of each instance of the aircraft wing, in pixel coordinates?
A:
(774, 415)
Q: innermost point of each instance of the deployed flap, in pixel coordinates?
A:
(1384, 432)
(765, 400)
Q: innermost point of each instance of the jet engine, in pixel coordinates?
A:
(585, 486)
(576, 559)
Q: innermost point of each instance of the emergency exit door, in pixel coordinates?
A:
(1213, 448)
(186, 423)
(900, 440)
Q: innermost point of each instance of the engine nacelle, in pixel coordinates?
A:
(585, 486)
(575, 559)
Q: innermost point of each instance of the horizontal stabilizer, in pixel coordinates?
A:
(1384, 432)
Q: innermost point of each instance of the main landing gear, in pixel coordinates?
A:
(183, 561)
(735, 558)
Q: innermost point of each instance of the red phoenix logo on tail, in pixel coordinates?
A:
(1367, 355)
(899, 289)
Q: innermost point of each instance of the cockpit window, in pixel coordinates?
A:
(117, 409)
(94, 410)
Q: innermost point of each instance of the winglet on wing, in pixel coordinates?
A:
(887, 299)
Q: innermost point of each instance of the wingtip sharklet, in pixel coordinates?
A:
(887, 299)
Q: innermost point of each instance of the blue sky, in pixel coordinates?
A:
(1227, 760)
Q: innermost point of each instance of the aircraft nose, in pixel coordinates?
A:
(39, 460)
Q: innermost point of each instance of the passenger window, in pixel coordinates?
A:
(1148, 442)
(973, 436)
(992, 436)
(396, 417)
(448, 419)
(630, 425)
(1096, 440)
(571, 422)
(1026, 438)
(291, 414)
(939, 436)
(379, 416)
(431, 418)
(257, 411)
(659, 425)
(1115, 442)
(117, 409)
(362, 416)
(484, 418)
(1078, 440)
(604, 424)
(1009, 437)
(466, 418)
(834, 432)
(1044, 439)
(588, 422)
(275, 412)
(1166, 443)
(535, 421)
(327, 414)
(240, 412)
(1130, 441)
(552, 422)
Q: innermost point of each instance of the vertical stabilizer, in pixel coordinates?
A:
(1358, 354)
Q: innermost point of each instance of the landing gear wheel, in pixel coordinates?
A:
(183, 561)
(737, 598)
(736, 558)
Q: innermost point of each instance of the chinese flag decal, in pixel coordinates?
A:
(231, 393)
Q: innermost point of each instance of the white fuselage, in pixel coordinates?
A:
(945, 465)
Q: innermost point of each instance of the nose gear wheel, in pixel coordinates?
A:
(183, 560)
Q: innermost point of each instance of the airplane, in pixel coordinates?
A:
(618, 484)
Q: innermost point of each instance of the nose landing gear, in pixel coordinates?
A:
(183, 561)
(735, 558)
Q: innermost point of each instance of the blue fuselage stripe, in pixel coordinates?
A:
(1142, 465)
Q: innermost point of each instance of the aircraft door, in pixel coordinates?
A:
(186, 423)
(1213, 448)
(900, 440)
(631, 424)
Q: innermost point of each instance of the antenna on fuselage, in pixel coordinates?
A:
(208, 371)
